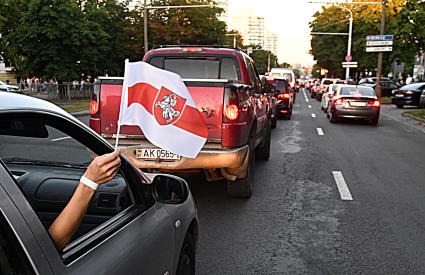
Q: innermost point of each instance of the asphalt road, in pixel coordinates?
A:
(296, 221)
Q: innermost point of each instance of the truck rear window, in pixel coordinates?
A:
(198, 67)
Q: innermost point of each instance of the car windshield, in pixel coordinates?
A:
(281, 85)
(350, 91)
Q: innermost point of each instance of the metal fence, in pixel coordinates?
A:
(54, 91)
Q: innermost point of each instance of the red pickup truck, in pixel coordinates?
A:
(226, 87)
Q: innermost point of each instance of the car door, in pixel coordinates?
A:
(261, 101)
(137, 240)
(20, 252)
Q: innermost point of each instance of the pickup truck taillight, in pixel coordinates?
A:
(231, 105)
(231, 112)
(94, 103)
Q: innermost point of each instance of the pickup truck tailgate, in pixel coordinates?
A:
(209, 99)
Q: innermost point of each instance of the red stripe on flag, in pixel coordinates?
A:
(192, 121)
(143, 94)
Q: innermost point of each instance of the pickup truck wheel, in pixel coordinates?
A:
(242, 188)
(263, 151)
(187, 258)
(274, 122)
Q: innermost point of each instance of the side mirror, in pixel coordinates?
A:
(170, 189)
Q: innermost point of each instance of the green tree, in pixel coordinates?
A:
(263, 58)
(329, 51)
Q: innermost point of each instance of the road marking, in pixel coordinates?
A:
(309, 106)
(342, 186)
(320, 132)
(313, 115)
(305, 96)
(59, 139)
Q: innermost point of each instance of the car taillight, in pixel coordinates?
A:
(94, 107)
(231, 108)
(339, 101)
(231, 112)
(375, 103)
(283, 96)
(94, 103)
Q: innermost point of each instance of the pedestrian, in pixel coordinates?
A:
(409, 80)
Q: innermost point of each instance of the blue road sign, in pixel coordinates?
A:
(380, 38)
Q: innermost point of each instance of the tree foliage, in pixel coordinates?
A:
(70, 39)
(262, 58)
(404, 19)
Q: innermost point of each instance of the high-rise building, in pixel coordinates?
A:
(253, 30)
(271, 41)
(250, 26)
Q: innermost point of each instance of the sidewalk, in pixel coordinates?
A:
(392, 112)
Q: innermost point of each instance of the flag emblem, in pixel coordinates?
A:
(168, 107)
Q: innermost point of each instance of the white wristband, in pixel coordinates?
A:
(89, 183)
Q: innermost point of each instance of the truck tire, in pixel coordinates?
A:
(187, 258)
(274, 122)
(242, 188)
(263, 151)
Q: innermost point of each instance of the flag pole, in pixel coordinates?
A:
(119, 117)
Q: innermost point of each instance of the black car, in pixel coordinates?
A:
(408, 95)
(285, 98)
(387, 86)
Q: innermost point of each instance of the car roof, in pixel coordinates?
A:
(18, 102)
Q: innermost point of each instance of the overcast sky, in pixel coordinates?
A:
(289, 19)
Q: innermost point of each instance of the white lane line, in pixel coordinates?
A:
(320, 132)
(305, 96)
(342, 186)
(309, 106)
(313, 115)
(59, 139)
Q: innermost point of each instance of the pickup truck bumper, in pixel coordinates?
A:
(231, 162)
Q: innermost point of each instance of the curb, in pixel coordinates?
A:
(413, 117)
(80, 113)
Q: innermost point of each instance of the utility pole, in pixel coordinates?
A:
(378, 88)
(145, 26)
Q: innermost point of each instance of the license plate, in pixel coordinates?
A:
(155, 154)
(357, 104)
(399, 95)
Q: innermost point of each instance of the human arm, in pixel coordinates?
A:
(101, 169)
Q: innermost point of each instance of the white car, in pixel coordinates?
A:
(8, 88)
(330, 90)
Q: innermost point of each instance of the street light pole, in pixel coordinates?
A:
(378, 88)
(350, 37)
(145, 26)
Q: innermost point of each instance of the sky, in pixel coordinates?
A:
(290, 20)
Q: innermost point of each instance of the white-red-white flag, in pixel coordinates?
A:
(159, 103)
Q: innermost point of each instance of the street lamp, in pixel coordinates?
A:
(145, 16)
(350, 28)
(234, 38)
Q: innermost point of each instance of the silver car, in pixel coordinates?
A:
(136, 223)
(8, 88)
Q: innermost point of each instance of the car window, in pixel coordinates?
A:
(280, 84)
(251, 72)
(365, 91)
(228, 69)
(13, 259)
(327, 82)
(214, 67)
(47, 164)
